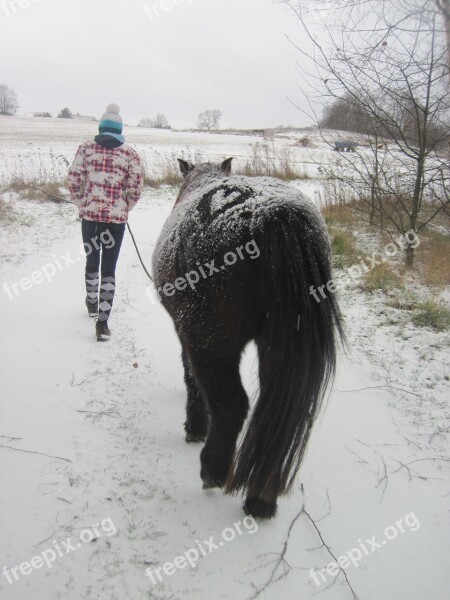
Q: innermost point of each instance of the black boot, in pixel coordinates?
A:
(102, 331)
(92, 308)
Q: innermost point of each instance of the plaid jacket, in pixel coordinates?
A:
(105, 183)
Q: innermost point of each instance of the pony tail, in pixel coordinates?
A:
(297, 353)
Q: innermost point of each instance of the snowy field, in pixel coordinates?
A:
(35, 148)
(100, 491)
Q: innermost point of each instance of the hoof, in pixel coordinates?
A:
(211, 479)
(209, 485)
(192, 438)
(259, 508)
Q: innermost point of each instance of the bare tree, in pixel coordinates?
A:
(336, 13)
(9, 102)
(160, 122)
(146, 122)
(209, 119)
(387, 61)
(444, 7)
(345, 115)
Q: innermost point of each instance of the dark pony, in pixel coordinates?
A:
(236, 261)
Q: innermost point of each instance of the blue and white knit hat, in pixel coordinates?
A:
(111, 121)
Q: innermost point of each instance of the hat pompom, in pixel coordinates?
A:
(113, 108)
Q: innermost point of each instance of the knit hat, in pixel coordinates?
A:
(111, 121)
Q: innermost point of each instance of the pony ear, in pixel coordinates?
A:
(226, 166)
(185, 167)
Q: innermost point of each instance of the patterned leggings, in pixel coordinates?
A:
(106, 237)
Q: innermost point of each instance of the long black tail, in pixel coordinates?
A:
(297, 350)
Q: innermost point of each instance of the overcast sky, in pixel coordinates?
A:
(173, 56)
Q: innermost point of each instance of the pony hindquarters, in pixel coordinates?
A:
(297, 354)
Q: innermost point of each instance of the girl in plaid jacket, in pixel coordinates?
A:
(105, 182)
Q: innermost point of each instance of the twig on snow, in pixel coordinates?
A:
(439, 431)
(108, 412)
(281, 560)
(377, 387)
(331, 553)
(10, 438)
(444, 458)
(86, 380)
(63, 500)
(282, 557)
(34, 452)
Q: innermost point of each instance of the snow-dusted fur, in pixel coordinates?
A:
(265, 298)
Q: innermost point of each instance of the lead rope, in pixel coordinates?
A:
(139, 255)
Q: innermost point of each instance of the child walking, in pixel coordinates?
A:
(105, 182)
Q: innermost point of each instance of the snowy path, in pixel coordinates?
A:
(116, 429)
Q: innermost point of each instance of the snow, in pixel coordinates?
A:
(102, 424)
(38, 148)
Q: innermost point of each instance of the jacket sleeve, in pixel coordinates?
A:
(134, 182)
(77, 177)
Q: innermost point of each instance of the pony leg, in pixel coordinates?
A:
(259, 503)
(219, 379)
(196, 424)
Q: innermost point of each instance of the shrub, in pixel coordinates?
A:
(434, 259)
(36, 190)
(168, 173)
(65, 114)
(381, 277)
(434, 315)
(266, 160)
(343, 247)
(305, 142)
(337, 204)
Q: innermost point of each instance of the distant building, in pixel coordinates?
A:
(79, 117)
(345, 146)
